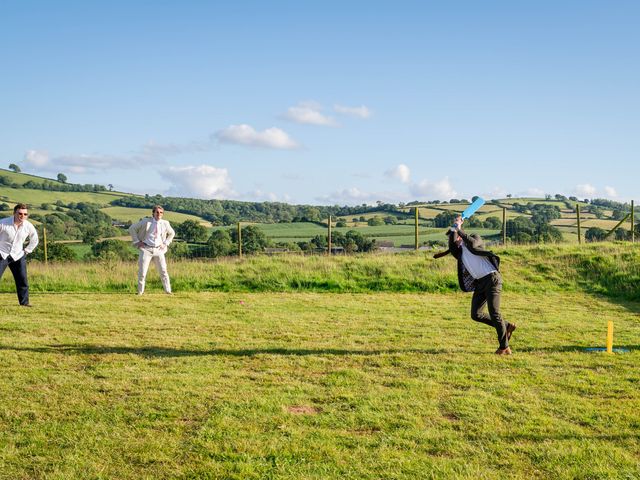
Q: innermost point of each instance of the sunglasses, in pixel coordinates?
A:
(23, 214)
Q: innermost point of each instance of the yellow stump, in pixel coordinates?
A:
(610, 337)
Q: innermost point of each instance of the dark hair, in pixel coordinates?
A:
(156, 207)
(20, 206)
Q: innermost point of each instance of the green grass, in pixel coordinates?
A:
(299, 230)
(37, 197)
(135, 214)
(356, 367)
(315, 386)
(401, 234)
(607, 268)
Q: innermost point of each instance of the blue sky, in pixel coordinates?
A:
(327, 102)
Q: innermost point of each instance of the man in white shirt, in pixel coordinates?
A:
(478, 272)
(13, 233)
(152, 236)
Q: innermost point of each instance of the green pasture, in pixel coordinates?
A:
(296, 232)
(312, 385)
(22, 178)
(135, 214)
(588, 223)
(497, 212)
(299, 230)
(34, 198)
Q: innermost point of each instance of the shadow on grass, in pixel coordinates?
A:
(570, 348)
(159, 352)
(542, 437)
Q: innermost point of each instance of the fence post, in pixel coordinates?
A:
(504, 225)
(239, 241)
(44, 242)
(633, 230)
(417, 214)
(329, 237)
(578, 215)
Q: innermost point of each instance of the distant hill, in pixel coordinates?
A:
(46, 196)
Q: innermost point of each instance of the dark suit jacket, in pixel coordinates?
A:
(476, 246)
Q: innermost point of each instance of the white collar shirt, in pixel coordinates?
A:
(154, 233)
(12, 238)
(476, 265)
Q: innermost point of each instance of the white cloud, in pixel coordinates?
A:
(154, 149)
(247, 135)
(36, 159)
(202, 181)
(259, 195)
(585, 190)
(355, 196)
(534, 192)
(359, 112)
(309, 113)
(496, 192)
(401, 172)
(441, 190)
(149, 154)
(84, 163)
(610, 191)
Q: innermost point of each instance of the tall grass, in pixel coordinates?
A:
(605, 268)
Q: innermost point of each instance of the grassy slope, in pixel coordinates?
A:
(296, 231)
(135, 214)
(37, 197)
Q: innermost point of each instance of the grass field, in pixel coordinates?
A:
(278, 368)
(135, 214)
(38, 197)
(315, 386)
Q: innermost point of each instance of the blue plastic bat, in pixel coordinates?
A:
(473, 208)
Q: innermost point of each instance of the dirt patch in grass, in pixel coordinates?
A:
(303, 410)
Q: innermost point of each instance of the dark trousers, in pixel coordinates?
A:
(19, 270)
(487, 291)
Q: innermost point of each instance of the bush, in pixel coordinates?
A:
(56, 252)
(178, 249)
(595, 234)
(253, 239)
(220, 243)
(445, 219)
(113, 250)
(191, 231)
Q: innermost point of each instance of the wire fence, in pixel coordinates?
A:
(334, 236)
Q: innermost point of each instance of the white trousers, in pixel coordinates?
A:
(146, 255)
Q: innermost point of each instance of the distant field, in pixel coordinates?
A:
(34, 198)
(135, 214)
(587, 223)
(401, 234)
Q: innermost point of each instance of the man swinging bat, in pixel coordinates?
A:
(478, 272)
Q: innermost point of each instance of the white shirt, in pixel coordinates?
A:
(154, 234)
(12, 238)
(476, 265)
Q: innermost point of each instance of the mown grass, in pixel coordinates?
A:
(37, 197)
(315, 386)
(135, 214)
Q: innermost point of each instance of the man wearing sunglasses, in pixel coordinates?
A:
(14, 231)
